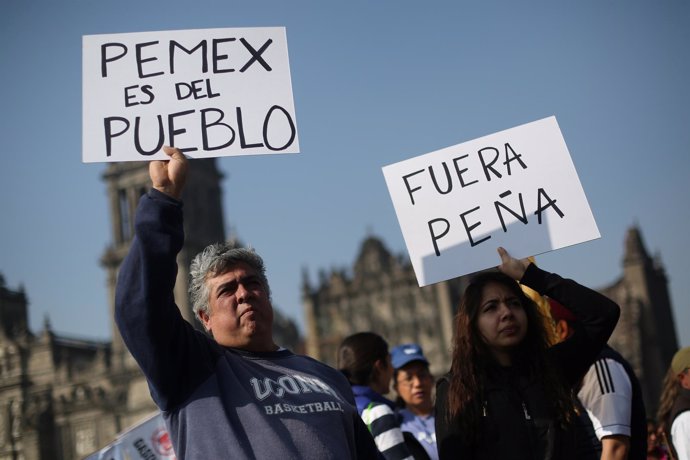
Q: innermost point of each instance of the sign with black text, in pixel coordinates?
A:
(517, 189)
(208, 92)
(148, 439)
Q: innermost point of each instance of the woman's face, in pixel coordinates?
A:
(652, 439)
(414, 383)
(501, 321)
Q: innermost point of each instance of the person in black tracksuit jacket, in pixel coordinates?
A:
(613, 395)
(614, 420)
(508, 394)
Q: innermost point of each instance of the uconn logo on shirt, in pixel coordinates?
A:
(289, 385)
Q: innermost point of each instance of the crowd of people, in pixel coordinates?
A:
(512, 391)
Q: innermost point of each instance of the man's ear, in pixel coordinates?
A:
(562, 330)
(379, 366)
(205, 320)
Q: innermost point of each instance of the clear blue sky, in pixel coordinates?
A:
(374, 83)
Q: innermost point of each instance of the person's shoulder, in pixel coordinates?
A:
(406, 416)
(444, 380)
(442, 385)
(606, 376)
(682, 420)
(312, 362)
(314, 366)
(376, 410)
(609, 353)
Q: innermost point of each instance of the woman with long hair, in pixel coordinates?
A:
(509, 394)
(364, 359)
(673, 414)
(670, 389)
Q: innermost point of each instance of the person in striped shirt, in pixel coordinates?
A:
(364, 359)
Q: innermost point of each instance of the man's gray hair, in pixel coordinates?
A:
(215, 260)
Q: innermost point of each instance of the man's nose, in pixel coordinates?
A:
(242, 293)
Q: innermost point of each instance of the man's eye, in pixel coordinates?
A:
(228, 290)
(255, 284)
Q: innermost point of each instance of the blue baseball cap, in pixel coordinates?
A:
(404, 354)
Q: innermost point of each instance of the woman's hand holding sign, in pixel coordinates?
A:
(515, 268)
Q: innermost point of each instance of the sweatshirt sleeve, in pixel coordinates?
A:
(174, 357)
(607, 395)
(596, 315)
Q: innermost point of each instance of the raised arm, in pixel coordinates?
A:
(596, 313)
(172, 355)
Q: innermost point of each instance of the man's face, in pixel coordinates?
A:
(241, 315)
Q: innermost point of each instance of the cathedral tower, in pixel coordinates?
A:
(645, 334)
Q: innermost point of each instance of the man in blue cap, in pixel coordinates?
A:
(414, 383)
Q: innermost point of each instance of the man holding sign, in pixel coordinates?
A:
(235, 394)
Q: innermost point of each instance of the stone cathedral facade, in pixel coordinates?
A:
(380, 293)
(63, 398)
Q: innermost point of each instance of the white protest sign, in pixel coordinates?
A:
(147, 439)
(208, 92)
(516, 188)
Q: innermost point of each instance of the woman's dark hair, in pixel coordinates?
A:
(471, 356)
(670, 388)
(357, 355)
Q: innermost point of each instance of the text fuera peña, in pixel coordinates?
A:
(458, 174)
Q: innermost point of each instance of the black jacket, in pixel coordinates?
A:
(518, 421)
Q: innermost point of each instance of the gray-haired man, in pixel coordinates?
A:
(236, 395)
